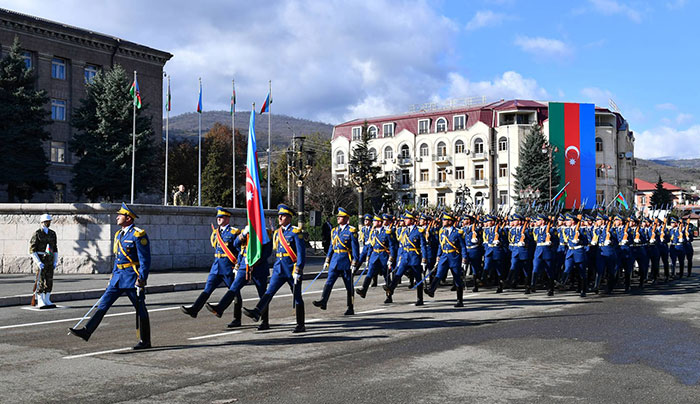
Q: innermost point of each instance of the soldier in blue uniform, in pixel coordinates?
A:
(544, 256)
(431, 238)
(449, 256)
(639, 251)
(624, 253)
(411, 256)
(651, 232)
(575, 260)
(380, 252)
(606, 253)
(676, 247)
(363, 234)
(591, 249)
(688, 236)
(518, 240)
(258, 273)
(132, 263)
(342, 257)
(474, 247)
(288, 268)
(664, 238)
(559, 248)
(494, 255)
(222, 241)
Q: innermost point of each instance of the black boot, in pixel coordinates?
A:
(351, 307)
(144, 333)
(584, 287)
(419, 296)
(218, 309)
(388, 299)
(500, 286)
(476, 285)
(430, 289)
(253, 314)
(550, 289)
(374, 280)
(265, 317)
(460, 297)
(90, 327)
(196, 306)
(362, 292)
(237, 308)
(300, 327)
(321, 304)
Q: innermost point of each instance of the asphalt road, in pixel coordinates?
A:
(642, 348)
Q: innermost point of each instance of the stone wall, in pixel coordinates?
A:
(179, 235)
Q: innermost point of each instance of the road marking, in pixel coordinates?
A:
(371, 311)
(97, 353)
(215, 335)
(31, 308)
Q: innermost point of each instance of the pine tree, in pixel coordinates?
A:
(661, 197)
(182, 168)
(533, 170)
(22, 120)
(103, 141)
(216, 178)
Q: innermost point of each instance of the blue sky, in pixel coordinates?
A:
(336, 60)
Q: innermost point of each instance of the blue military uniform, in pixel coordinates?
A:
(544, 255)
(342, 257)
(606, 255)
(475, 250)
(518, 243)
(494, 254)
(132, 262)
(624, 251)
(651, 233)
(412, 251)
(664, 238)
(677, 247)
(449, 257)
(688, 238)
(285, 270)
(380, 250)
(575, 240)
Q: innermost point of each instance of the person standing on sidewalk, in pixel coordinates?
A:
(44, 253)
(132, 262)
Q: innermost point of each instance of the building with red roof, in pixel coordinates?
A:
(643, 190)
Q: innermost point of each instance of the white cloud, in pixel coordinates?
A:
(509, 85)
(676, 4)
(666, 106)
(665, 141)
(612, 7)
(682, 118)
(540, 46)
(597, 95)
(485, 18)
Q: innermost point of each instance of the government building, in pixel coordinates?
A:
(467, 152)
(64, 59)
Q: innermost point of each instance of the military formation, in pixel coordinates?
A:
(585, 252)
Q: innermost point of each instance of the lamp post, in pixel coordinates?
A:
(463, 192)
(300, 162)
(360, 175)
(549, 149)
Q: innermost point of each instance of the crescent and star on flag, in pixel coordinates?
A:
(572, 160)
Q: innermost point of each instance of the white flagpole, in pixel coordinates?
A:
(199, 168)
(133, 145)
(269, 145)
(167, 124)
(233, 140)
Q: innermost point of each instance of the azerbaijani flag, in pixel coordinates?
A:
(199, 103)
(266, 104)
(572, 131)
(135, 93)
(233, 100)
(561, 194)
(621, 199)
(256, 216)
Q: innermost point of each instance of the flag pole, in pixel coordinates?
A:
(233, 139)
(199, 168)
(133, 146)
(269, 145)
(167, 124)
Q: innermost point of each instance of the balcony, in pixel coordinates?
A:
(442, 159)
(437, 184)
(341, 167)
(399, 185)
(404, 161)
(484, 182)
(479, 156)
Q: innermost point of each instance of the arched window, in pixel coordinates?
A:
(598, 144)
(373, 154)
(441, 125)
(405, 152)
(372, 132)
(441, 149)
(388, 153)
(424, 150)
(503, 144)
(459, 146)
(479, 198)
(339, 157)
(478, 146)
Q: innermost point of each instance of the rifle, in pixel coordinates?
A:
(36, 282)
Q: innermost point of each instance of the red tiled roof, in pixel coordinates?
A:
(642, 185)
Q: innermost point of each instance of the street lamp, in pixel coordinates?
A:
(463, 192)
(360, 175)
(300, 162)
(548, 149)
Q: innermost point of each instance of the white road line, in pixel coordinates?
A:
(30, 308)
(370, 311)
(214, 335)
(97, 353)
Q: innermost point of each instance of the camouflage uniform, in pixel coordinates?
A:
(44, 245)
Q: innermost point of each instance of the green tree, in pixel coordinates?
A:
(661, 197)
(322, 193)
(103, 141)
(182, 168)
(22, 120)
(364, 174)
(216, 178)
(533, 171)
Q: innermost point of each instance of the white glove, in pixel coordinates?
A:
(521, 244)
(497, 242)
(244, 232)
(636, 240)
(547, 243)
(296, 276)
(55, 260)
(41, 265)
(325, 266)
(623, 242)
(594, 242)
(474, 240)
(606, 243)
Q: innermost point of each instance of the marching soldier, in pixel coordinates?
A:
(132, 263)
(624, 253)
(543, 258)
(494, 254)
(363, 236)
(688, 236)
(474, 248)
(222, 240)
(412, 253)
(449, 256)
(380, 254)
(575, 260)
(518, 236)
(651, 233)
(606, 260)
(639, 251)
(664, 238)
(288, 268)
(44, 252)
(677, 248)
(340, 261)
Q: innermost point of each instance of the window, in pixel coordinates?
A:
(58, 152)
(405, 152)
(441, 125)
(441, 149)
(598, 144)
(59, 195)
(458, 122)
(58, 110)
(459, 173)
(388, 130)
(599, 172)
(523, 119)
(599, 196)
(424, 150)
(58, 68)
(503, 144)
(356, 133)
(441, 175)
(406, 199)
(502, 170)
(479, 172)
(27, 56)
(441, 199)
(503, 197)
(478, 146)
(340, 179)
(388, 153)
(423, 126)
(643, 200)
(90, 72)
(507, 119)
(340, 157)
(459, 147)
(423, 200)
(479, 198)
(373, 154)
(424, 175)
(405, 177)
(372, 132)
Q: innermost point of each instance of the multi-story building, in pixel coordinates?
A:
(440, 156)
(644, 190)
(64, 59)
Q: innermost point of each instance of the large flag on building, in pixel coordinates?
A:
(572, 131)
(135, 92)
(256, 217)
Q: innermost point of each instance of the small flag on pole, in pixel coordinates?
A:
(199, 104)
(233, 100)
(561, 194)
(266, 104)
(621, 199)
(135, 93)
(167, 97)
